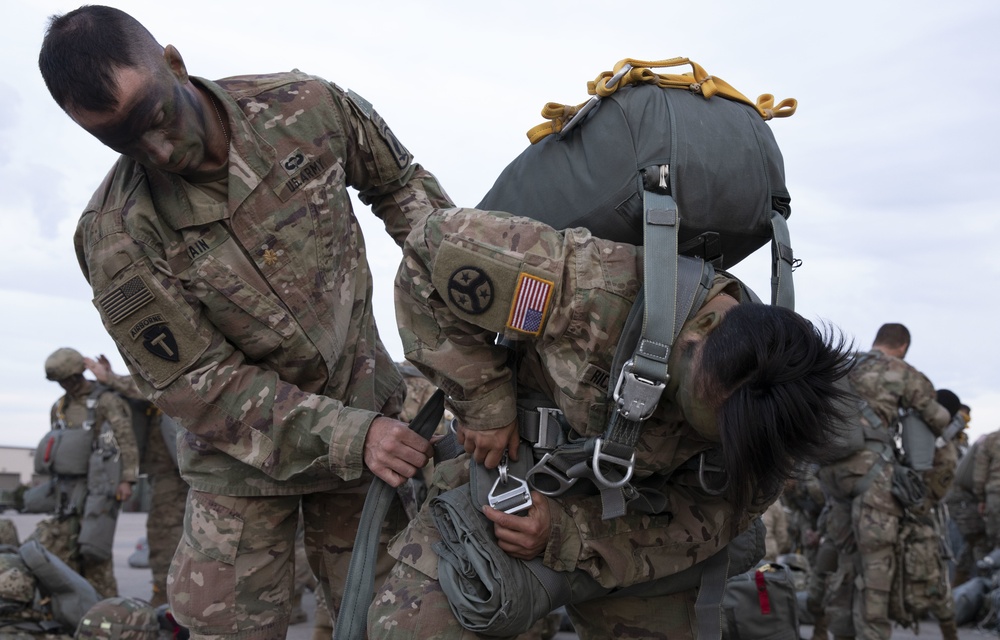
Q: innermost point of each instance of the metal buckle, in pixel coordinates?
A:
(590, 104)
(550, 433)
(511, 500)
(635, 397)
(600, 456)
(543, 468)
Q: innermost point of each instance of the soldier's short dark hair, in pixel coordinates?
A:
(778, 374)
(893, 335)
(82, 51)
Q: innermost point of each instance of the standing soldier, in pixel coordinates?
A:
(805, 500)
(963, 507)
(165, 521)
(229, 267)
(94, 409)
(922, 584)
(986, 485)
(861, 482)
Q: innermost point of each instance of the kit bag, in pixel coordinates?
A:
(100, 510)
(761, 604)
(65, 452)
(722, 163)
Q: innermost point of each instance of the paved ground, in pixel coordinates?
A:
(136, 582)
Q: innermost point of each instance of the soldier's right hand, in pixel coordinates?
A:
(487, 447)
(393, 452)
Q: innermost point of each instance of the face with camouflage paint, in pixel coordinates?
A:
(162, 121)
(687, 388)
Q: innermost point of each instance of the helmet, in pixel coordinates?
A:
(17, 583)
(8, 533)
(64, 363)
(119, 619)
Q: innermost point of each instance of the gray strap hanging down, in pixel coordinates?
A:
(782, 263)
(360, 582)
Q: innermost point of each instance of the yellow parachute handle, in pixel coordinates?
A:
(641, 72)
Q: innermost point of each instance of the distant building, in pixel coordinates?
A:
(17, 467)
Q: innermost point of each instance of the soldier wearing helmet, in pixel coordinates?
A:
(120, 619)
(85, 405)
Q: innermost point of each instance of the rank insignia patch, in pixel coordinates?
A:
(530, 304)
(126, 300)
(471, 290)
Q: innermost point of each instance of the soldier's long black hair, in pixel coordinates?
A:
(782, 406)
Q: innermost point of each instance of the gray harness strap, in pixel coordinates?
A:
(360, 580)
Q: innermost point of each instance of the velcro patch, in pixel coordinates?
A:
(475, 282)
(530, 304)
(161, 341)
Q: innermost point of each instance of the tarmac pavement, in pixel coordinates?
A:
(137, 583)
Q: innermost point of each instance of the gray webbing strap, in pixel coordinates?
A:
(782, 261)
(359, 585)
(708, 605)
(659, 258)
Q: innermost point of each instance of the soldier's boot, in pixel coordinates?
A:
(820, 628)
(949, 630)
(159, 596)
(323, 626)
(298, 613)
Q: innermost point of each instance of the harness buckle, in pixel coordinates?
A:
(511, 500)
(635, 397)
(549, 474)
(550, 433)
(601, 457)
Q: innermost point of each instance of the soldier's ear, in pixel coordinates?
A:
(176, 63)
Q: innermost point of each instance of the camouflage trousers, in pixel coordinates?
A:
(975, 544)
(60, 536)
(164, 527)
(411, 606)
(922, 586)
(866, 548)
(233, 573)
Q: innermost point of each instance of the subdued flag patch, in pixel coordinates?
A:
(126, 300)
(530, 304)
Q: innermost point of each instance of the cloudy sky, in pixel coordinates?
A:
(891, 159)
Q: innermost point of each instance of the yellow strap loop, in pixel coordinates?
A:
(697, 81)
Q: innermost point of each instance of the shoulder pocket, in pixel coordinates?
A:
(150, 325)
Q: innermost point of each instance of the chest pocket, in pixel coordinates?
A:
(250, 320)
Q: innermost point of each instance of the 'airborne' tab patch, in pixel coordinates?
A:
(125, 300)
(530, 304)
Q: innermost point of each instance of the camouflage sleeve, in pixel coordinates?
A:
(980, 469)
(399, 191)
(638, 548)
(116, 411)
(459, 356)
(920, 395)
(125, 385)
(213, 391)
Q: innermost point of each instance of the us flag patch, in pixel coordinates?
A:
(126, 300)
(530, 304)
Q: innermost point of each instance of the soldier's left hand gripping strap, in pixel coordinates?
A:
(360, 581)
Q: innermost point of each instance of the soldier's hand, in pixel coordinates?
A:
(523, 536)
(393, 452)
(124, 492)
(487, 447)
(101, 368)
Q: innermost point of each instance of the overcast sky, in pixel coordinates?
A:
(891, 159)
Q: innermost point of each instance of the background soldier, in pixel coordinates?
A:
(963, 507)
(986, 486)
(60, 534)
(165, 521)
(867, 562)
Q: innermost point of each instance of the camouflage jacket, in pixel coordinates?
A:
(986, 467)
(250, 320)
(71, 410)
(457, 290)
(889, 384)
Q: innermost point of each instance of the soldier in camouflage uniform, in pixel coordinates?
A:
(60, 534)
(165, 520)
(922, 584)
(867, 551)
(963, 507)
(22, 616)
(592, 283)
(229, 268)
(986, 486)
(804, 499)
